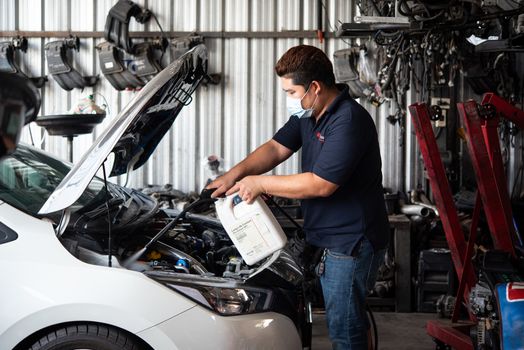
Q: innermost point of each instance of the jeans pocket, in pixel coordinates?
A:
(338, 255)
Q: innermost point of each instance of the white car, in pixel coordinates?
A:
(65, 236)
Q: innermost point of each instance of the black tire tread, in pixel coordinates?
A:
(113, 336)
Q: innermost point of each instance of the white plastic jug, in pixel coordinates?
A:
(252, 227)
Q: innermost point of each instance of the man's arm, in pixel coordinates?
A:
(345, 145)
(299, 186)
(261, 160)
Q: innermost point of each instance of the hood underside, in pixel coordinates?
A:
(136, 131)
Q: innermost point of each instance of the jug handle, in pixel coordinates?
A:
(230, 205)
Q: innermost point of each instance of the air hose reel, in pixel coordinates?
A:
(114, 68)
(117, 23)
(8, 62)
(62, 71)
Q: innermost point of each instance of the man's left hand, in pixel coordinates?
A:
(249, 188)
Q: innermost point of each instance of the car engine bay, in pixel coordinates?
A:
(197, 244)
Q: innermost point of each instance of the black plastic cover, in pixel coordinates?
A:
(64, 74)
(143, 64)
(114, 69)
(7, 63)
(7, 234)
(117, 23)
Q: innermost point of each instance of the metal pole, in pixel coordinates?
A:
(286, 34)
(70, 148)
(486, 159)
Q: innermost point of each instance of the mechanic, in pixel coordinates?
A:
(19, 105)
(340, 186)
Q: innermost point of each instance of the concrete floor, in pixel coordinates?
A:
(396, 331)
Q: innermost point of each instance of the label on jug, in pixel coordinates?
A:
(250, 236)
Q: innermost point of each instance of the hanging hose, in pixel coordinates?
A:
(374, 325)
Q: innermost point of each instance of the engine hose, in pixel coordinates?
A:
(374, 325)
(178, 217)
(166, 228)
(390, 73)
(404, 12)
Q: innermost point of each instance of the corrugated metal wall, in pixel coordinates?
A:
(228, 120)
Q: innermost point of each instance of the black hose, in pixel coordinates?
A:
(166, 228)
(178, 217)
(404, 12)
(374, 325)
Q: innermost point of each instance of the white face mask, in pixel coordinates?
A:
(294, 106)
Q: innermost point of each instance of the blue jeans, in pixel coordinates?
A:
(346, 281)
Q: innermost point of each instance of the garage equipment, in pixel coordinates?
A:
(59, 67)
(70, 126)
(19, 105)
(114, 69)
(8, 62)
(481, 122)
(435, 277)
(117, 23)
(143, 63)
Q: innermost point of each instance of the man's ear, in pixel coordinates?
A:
(317, 87)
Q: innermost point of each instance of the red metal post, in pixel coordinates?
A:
(441, 192)
(505, 109)
(462, 290)
(484, 150)
(456, 335)
(502, 109)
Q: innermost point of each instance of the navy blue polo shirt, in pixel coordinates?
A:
(342, 148)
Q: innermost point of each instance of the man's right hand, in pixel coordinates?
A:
(263, 159)
(222, 184)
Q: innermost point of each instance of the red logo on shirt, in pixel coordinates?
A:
(515, 291)
(320, 137)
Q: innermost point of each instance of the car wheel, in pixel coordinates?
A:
(86, 337)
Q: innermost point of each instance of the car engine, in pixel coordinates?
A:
(196, 245)
(483, 305)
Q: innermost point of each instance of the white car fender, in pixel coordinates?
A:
(48, 286)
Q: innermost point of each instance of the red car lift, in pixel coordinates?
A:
(481, 124)
(448, 334)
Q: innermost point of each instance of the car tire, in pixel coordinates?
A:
(86, 336)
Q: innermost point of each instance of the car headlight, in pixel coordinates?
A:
(226, 300)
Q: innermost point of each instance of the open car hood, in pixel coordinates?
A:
(134, 134)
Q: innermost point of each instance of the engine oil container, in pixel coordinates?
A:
(252, 227)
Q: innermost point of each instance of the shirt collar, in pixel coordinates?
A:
(343, 95)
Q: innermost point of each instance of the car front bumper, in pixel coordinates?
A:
(199, 328)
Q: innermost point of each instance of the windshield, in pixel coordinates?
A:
(28, 177)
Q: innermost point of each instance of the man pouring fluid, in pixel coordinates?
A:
(340, 186)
